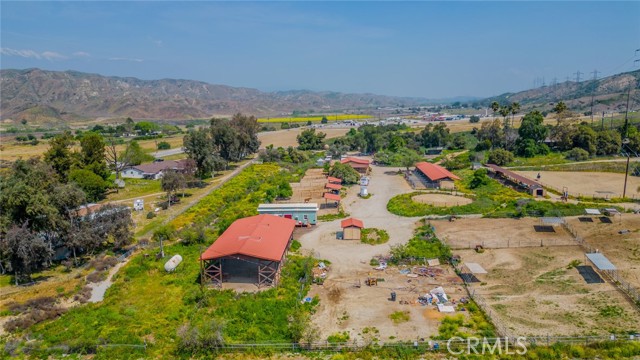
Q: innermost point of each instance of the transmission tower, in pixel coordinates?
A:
(593, 91)
(577, 74)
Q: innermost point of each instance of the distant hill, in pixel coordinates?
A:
(45, 96)
(610, 93)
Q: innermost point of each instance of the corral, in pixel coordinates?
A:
(501, 233)
(613, 240)
(445, 200)
(535, 291)
(589, 184)
(310, 190)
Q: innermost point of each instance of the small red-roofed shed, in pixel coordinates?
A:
(351, 229)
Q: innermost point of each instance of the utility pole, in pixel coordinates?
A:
(625, 141)
(593, 91)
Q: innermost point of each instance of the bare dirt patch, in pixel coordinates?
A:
(358, 310)
(623, 250)
(596, 184)
(345, 307)
(499, 233)
(531, 291)
(442, 200)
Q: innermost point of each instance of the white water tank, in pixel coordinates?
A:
(173, 263)
(363, 191)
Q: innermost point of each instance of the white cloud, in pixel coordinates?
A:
(32, 54)
(158, 43)
(51, 55)
(81, 54)
(125, 59)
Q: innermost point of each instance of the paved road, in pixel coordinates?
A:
(163, 153)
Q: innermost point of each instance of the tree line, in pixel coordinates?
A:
(41, 212)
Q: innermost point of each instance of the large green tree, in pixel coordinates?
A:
(59, 155)
(200, 148)
(93, 155)
(310, 140)
(92, 184)
(532, 127)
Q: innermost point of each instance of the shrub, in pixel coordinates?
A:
(480, 178)
(500, 157)
(295, 245)
(399, 317)
(163, 145)
(474, 119)
(373, 236)
(338, 338)
(577, 154)
(151, 215)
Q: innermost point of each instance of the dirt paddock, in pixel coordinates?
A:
(623, 250)
(364, 312)
(596, 184)
(311, 188)
(499, 233)
(532, 292)
(444, 200)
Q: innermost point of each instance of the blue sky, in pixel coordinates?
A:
(425, 49)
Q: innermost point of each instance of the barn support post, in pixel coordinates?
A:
(268, 274)
(213, 272)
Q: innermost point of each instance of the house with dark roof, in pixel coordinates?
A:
(434, 176)
(251, 250)
(153, 170)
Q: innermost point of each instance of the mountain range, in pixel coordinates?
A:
(36, 94)
(42, 96)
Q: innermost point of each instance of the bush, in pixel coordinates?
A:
(163, 145)
(500, 157)
(474, 119)
(295, 245)
(373, 236)
(399, 317)
(484, 145)
(151, 215)
(479, 178)
(577, 154)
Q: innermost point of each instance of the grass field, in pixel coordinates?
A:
(11, 151)
(316, 118)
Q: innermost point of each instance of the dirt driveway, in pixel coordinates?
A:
(343, 306)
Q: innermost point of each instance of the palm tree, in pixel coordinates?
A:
(515, 107)
(495, 106)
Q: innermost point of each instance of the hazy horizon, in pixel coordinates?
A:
(429, 50)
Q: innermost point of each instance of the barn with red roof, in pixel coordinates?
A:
(252, 249)
(359, 165)
(434, 175)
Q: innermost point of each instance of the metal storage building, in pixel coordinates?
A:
(303, 213)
